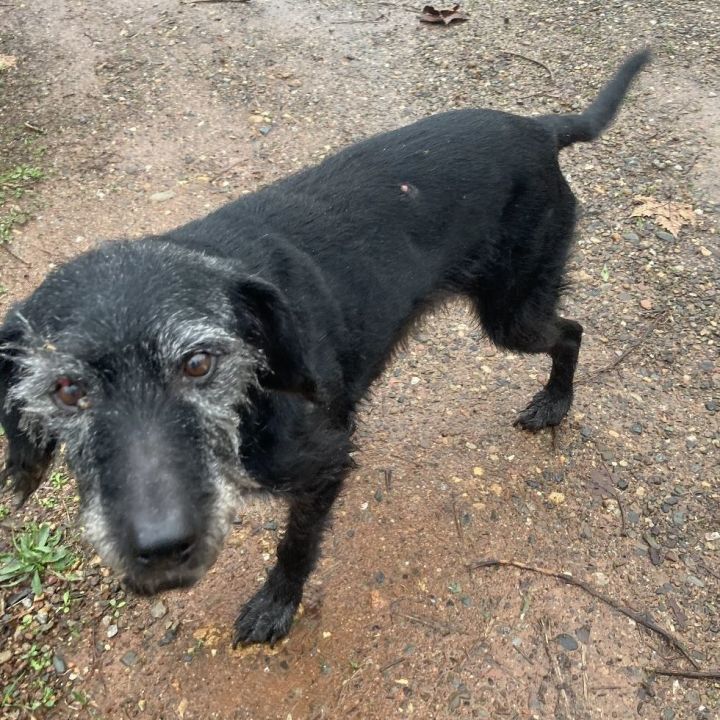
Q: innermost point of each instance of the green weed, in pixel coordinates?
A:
(36, 551)
(14, 183)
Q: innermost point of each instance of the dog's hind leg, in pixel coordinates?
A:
(268, 615)
(551, 404)
(535, 327)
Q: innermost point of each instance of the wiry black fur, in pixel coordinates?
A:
(317, 277)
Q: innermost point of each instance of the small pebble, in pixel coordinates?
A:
(59, 664)
(567, 641)
(112, 631)
(158, 610)
(622, 484)
(162, 196)
(678, 517)
(666, 236)
(170, 634)
(636, 428)
(129, 658)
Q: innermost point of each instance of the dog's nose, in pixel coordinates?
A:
(165, 542)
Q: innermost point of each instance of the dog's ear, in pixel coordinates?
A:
(267, 322)
(26, 459)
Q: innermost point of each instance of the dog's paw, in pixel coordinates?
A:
(545, 409)
(266, 617)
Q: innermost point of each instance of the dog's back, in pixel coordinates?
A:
(229, 355)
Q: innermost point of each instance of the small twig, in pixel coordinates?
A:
(692, 674)
(441, 628)
(691, 164)
(570, 580)
(522, 654)
(226, 170)
(531, 60)
(392, 664)
(556, 669)
(13, 255)
(379, 18)
(214, 2)
(34, 128)
(625, 353)
(614, 496)
(387, 473)
(458, 526)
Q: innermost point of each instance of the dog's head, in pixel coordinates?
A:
(140, 359)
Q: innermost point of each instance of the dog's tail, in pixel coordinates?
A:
(587, 126)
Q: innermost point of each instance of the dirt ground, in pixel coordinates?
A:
(146, 114)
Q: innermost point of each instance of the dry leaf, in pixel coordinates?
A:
(7, 62)
(454, 14)
(670, 216)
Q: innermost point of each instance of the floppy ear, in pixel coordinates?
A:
(267, 322)
(26, 459)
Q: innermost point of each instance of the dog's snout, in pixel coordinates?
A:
(164, 542)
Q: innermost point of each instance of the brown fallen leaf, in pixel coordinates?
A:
(670, 216)
(7, 62)
(454, 14)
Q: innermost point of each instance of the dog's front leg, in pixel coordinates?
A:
(268, 615)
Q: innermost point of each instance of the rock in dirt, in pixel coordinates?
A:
(59, 664)
(170, 634)
(129, 659)
(162, 196)
(568, 642)
(158, 610)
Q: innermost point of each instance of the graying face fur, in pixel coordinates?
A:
(150, 446)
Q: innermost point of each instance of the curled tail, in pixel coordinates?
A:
(588, 125)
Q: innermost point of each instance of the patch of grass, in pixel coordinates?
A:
(59, 479)
(116, 606)
(37, 550)
(38, 692)
(14, 184)
(16, 181)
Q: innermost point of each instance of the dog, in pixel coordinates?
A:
(186, 371)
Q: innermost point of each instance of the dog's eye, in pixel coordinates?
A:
(71, 395)
(198, 365)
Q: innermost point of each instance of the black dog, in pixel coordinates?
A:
(227, 357)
